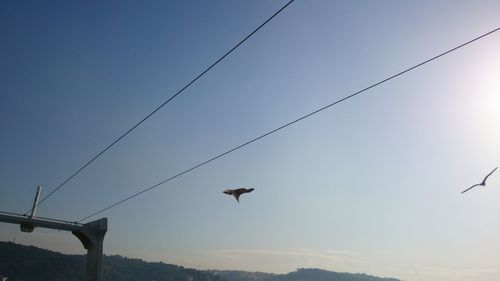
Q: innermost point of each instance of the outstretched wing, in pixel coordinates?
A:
(484, 181)
(237, 192)
(470, 188)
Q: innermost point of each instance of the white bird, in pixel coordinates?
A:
(237, 192)
(483, 183)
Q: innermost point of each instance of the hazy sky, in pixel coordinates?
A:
(371, 185)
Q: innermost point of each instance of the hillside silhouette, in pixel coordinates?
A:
(19, 262)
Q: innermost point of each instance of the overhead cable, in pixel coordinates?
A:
(162, 105)
(292, 122)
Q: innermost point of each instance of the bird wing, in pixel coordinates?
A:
(237, 192)
(240, 190)
(470, 188)
(245, 190)
(484, 181)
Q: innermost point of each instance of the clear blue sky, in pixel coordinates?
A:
(372, 185)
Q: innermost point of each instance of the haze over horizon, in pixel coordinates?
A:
(371, 185)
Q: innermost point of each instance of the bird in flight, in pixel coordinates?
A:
(483, 183)
(237, 192)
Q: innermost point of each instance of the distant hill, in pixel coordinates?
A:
(302, 274)
(19, 262)
(236, 275)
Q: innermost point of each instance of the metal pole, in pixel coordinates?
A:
(90, 234)
(35, 202)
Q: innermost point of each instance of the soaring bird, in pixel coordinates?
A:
(483, 183)
(237, 192)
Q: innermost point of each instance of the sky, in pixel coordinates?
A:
(370, 185)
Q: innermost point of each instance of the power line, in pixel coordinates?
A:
(163, 104)
(290, 123)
